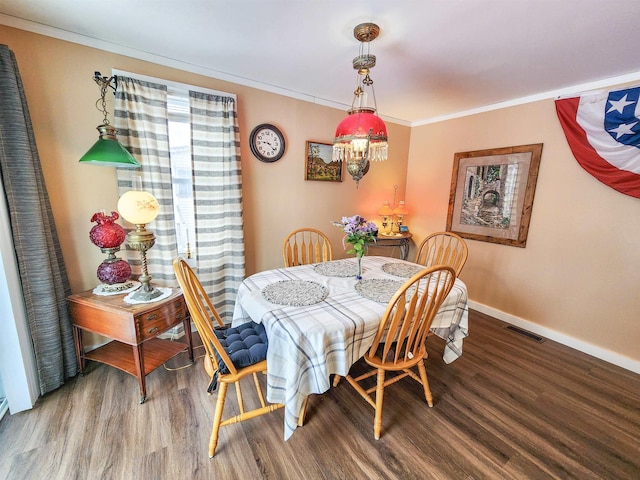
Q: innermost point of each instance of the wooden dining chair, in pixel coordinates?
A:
(304, 246)
(443, 248)
(230, 353)
(400, 342)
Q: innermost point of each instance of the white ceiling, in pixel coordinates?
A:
(435, 58)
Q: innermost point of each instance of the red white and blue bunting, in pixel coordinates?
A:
(603, 131)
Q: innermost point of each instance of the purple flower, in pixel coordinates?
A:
(358, 233)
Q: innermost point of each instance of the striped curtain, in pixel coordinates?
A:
(217, 184)
(141, 119)
(142, 122)
(43, 276)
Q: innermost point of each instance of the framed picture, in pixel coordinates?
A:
(319, 165)
(492, 194)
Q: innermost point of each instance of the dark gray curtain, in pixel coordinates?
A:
(43, 275)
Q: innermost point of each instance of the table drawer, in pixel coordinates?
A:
(155, 322)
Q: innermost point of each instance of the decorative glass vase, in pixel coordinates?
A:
(359, 275)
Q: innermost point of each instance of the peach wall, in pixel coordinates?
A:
(61, 95)
(579, 273)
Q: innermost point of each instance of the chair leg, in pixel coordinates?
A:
(217, 417)
(377, 422)
(336, 380)
(303, 412)
(425, 383)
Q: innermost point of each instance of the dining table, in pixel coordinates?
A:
(320, 319)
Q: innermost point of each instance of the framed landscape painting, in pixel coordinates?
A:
(492, 194)
(319, 164)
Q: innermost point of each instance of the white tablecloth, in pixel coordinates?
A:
(307, 344)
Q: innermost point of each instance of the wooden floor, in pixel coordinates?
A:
(508, 408)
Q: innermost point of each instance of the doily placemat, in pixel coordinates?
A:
(295, 293)
(378, 289)
(337, 268)
(165, 292)
(401, 269)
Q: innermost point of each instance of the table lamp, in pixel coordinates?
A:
(400, 212)
(108, 235)
(140, 208)
(387, 219)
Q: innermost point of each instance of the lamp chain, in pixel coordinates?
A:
(104, 83)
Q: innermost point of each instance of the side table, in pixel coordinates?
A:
(133, 329)
(400, 240)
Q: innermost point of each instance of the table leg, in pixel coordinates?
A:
(77, 337)
(139, 359)
(404, 248)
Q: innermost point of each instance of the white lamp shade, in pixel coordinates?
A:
(138, 207)
(401, 209)
(385, 210)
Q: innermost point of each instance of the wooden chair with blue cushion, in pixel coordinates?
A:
(400, 342)
(443, 248)
(304, 246)
(230, 353)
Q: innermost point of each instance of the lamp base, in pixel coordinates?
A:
(142, 295)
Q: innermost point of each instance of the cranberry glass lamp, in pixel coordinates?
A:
(108, 235)
(361, 137)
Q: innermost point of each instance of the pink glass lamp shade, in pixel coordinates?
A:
(358, 125)
(107, 233)
(361, 137)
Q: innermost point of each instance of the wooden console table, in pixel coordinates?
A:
(135, 348)
(401, 241)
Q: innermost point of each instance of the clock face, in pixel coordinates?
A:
(267, 143)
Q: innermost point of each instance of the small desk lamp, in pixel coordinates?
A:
(140, 208)
(400, 212)
(393, 215)
(387, 218)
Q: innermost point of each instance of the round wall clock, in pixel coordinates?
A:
(267, 143)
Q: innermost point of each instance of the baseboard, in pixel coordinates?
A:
(585, 347)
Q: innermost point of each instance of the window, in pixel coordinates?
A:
(181, 175)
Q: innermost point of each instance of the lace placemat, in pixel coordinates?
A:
(401, 269)
(337, 268)
(165, 293)
(378, 289)
(104, 289)
(295, 293)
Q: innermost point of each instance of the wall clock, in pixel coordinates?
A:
(267, 143)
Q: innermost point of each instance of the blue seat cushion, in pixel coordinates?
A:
(245, 345)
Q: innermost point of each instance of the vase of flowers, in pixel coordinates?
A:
(358, 234)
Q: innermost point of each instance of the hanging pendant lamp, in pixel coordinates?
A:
(361, 137)
(107, 151)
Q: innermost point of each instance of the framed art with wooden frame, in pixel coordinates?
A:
(492, 194)
(319, 164)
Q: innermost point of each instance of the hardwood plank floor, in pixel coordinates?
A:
(509, 408)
